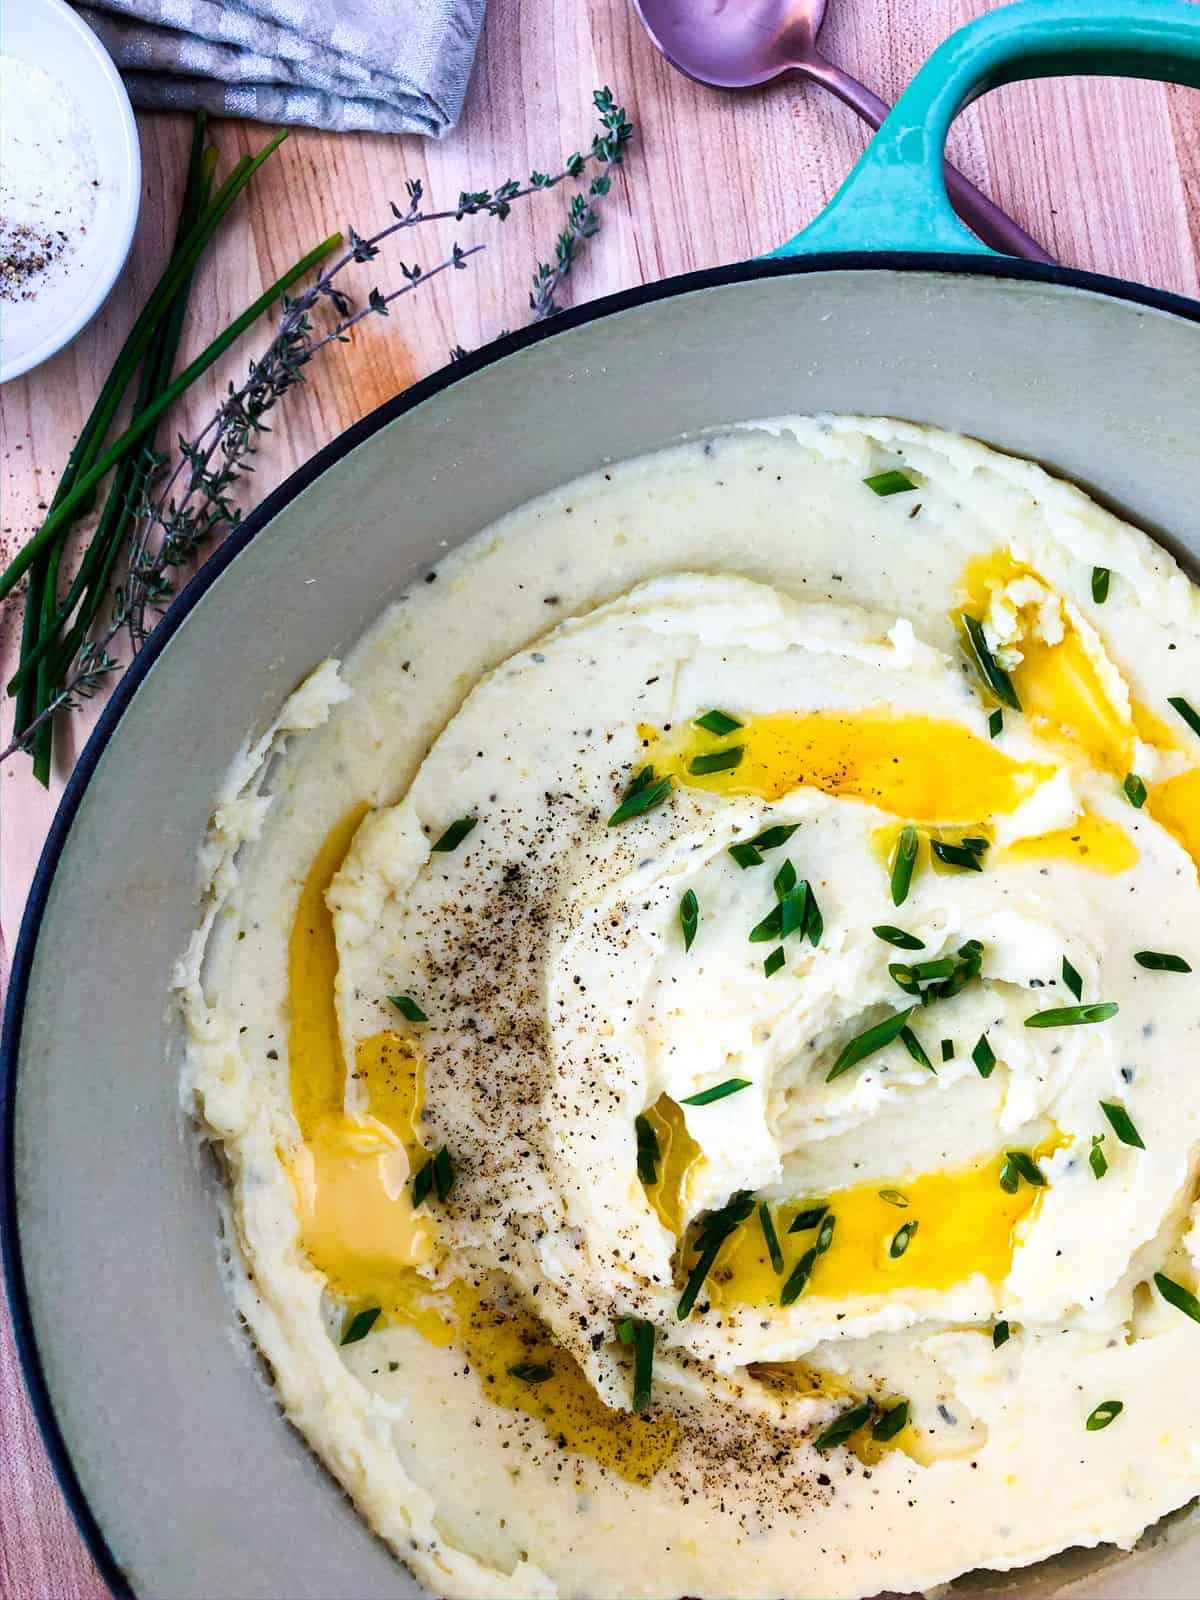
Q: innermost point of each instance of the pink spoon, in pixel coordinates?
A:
(736, 44)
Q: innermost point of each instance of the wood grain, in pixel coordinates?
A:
(1105, 173)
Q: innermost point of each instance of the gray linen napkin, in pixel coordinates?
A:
(390, 66)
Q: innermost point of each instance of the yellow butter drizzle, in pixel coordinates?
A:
(358, 1226)
(1090, 841)
(1175, 805)
(679, 1153)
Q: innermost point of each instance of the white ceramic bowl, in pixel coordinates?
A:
(49, 35)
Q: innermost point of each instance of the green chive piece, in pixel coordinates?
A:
(922, 971)
(719, 1091)
(798, 1278)
(408, 1007)
(957, 855)
(793, 911)
(773, 962)
(898, 937)
(814, 922)
(423, 1183)
(625, 1330)
(1010, 1180)
(771, 838)
(1160, 961)
(643, 1366)
(902, 865)
(993, 674)
(984, 1056)
(894, 1198)
(360, 1325)
(1135, 790)
(1176, 1295)
(769, 928)
(808, 1219)
(947, 1049)
(1001, 1334)
(1107, 1411)
(443, 1173)
(745, 854)
(648, 1152)
(1097, 1160)
(1072, 979)
(531, 1371)
(689, 917)
(841, 1428)
(916, 1049)
(1025, 1167)
(767, 1223)
(785, 880)
(718, 722)
(825, 1236)
(455, 834)
(1069, 1016)
(645, 793)
(901, 1240)
(1122, 1124)
(1185, 711)
(892, 1422)
(1100, 577)
(713, 1232)
(995, 723)
(887, 483)
(719, 761)
(868, 1042)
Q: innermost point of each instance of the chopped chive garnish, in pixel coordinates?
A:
(1009, 1178)
(814, 922)
(455, 834)
(423, 1183)
(443, 1173)
(957, 855)
(1069, 1016)
(745, 854)
(994, 675)
(719, 761)
(1122, 1124)
(625, 1330)
(902, 866)
(892, 1422)
(798, 1277)
(901, 1240)
(825, 1236)
(713, 1232)
(1135, 790)
(773, 962)
(648, 1152)
(868, 1042)
(531, 1371)
(718, 722)
(898, 937)
(645, 793)
(1000, 1334)
(1100, 577)
(922, 971)
(408, 1007)
(1108, 1410)
(785, 880)
(995, 723)
(841, 1428)
(719, 1091)
(793, 911)
(1025, 1167)
(1185, 711)
(1160, 961)
(769, 928)
(983, 1056)
(1176, 1295)
(1072, 979)
(975, 846)
(916, 1049)
(894, 1198)
(689, 917)
(1097, 1160)
(947, 1049)
(808, 1219)
(767, 1223)
(892, 482)
(771, 838)
(360, 1325)
(643, 1366)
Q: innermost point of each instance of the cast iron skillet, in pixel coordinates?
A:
(170, 1451)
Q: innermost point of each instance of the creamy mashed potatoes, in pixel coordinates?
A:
(699, 1013)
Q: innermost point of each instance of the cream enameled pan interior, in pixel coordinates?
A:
(200, 1489)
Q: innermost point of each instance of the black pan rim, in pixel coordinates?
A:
(36, 1384)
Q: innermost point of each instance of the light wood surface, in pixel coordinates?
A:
(1105, 173)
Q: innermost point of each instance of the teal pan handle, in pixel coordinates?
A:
(895, 198)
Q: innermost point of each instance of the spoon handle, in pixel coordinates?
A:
(992, 225)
